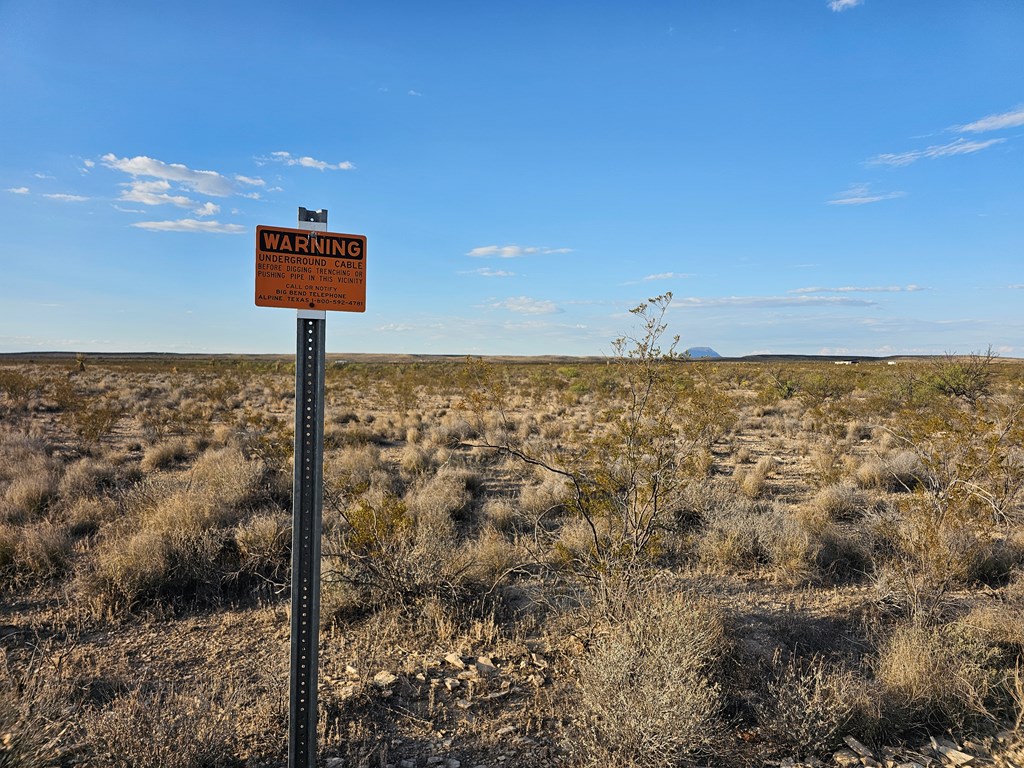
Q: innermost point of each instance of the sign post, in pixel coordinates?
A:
(312, 270)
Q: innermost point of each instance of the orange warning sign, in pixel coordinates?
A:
(299, 269)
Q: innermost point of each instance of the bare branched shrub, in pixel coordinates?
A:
(648, 690)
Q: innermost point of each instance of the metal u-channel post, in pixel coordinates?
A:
(307, 506)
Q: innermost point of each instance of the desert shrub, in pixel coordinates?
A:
(503, 515)
(164, 455)
(739, 536)
(936, 675)
(86, 477)
(490, 557)
(904, 471)
(548, 496)
(387, 553)
(826, 465)
(163, 729)
(264, 545)
(415, 459)
(968, 377)
(93, 419)
(810, 704)
(18, 387)
(840, 502)
(352, 467)
(86, 514)
(648, 690)
(753, 483)
(228, 478)
(43, 551)
(33, 722)
(28, 495)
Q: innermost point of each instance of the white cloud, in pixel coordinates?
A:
(842, 5)
(43, 176)
(512, 251)
(857, 289)
(17, 190)
(1013, 119)
(860, 194)
(414, 93)
(959, 147)
(207, 209)
(89, 163)
(773, 301)
(191, 225)
(309, 162)
(252, 181)
(527, 306)
(203, 182)
(154, 193)
(666, 276)
(488, 272)
(1017, 285)
(67, 198)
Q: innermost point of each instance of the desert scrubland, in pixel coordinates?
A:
(635, 562)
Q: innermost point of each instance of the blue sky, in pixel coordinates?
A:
(806, 176)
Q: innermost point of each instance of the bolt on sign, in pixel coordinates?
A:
(299, 269)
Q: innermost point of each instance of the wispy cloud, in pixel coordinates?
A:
(250, 180)
(842, 5)
(154, 193)
(1017, 285)
(203, 182)
(960, 146)
(1013, 119)
(667, 276)
(861, 194)
(191, 225)
(527, 306)
(43, 176)
(17, 190)
(488, 272)
(773, 301)
(309, 162)
(65, 198)
(414, 93)
(858, 289)
(512, 251)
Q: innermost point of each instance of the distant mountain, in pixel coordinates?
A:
(696, 353)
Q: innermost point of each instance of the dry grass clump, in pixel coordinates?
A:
(264, 546)
(810, 704)
(937, 674)
(354, 466)
(648, 691)
(177, 538)
(165, 455)
(547, 496)
(163, 729)
(840, 502)
(88, 476)
(753, 483)
(33, 722)
(897, 471)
